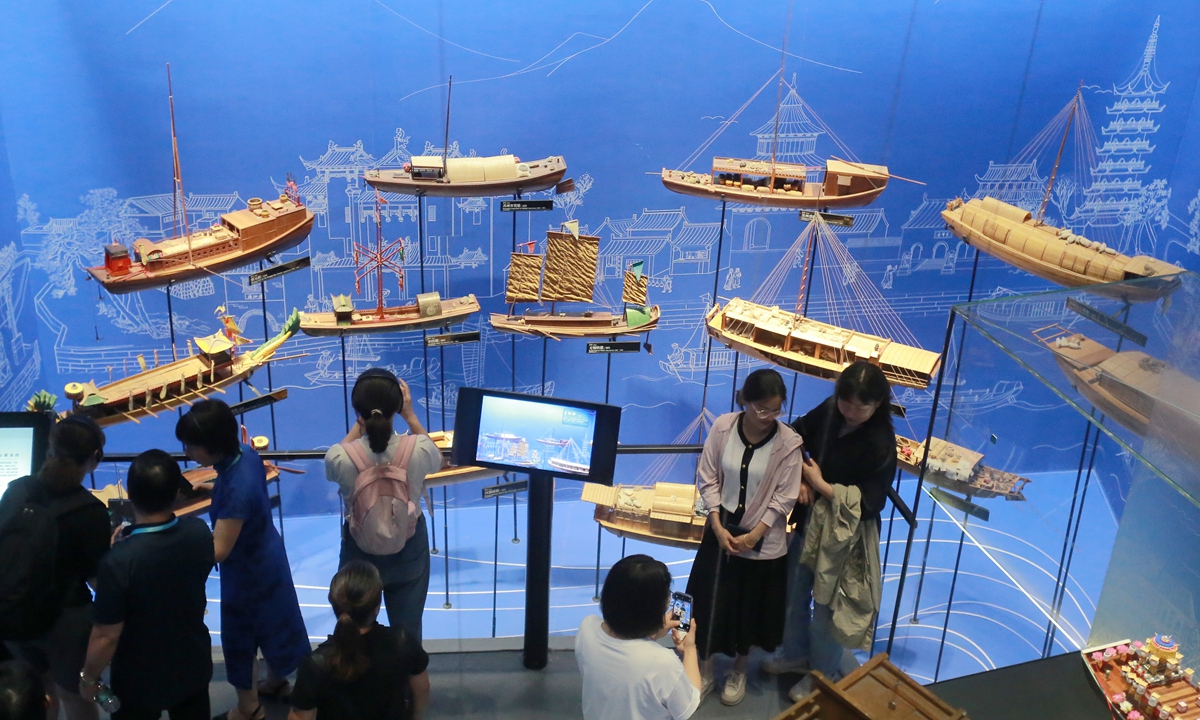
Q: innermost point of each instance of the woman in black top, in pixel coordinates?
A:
(852, 443)
(364, 671)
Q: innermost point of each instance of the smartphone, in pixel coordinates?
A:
(804, 450)
(681, 610)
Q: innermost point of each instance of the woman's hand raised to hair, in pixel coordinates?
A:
(408, 412)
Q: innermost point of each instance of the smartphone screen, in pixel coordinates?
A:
(681, 610)
(804, 450)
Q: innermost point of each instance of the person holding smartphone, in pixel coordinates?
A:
(748, 478)
(626, 673)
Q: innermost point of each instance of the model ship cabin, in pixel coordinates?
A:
(439, 176)
(783, 185)
(815, 348)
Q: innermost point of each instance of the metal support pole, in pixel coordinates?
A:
(345, 383)
(733, 393)
(924, 561)
(537, 571)
(920, 485)
(270, 381)
(425, 333)
(950, 600)
(446, 541)
(716, 286)
(432, 520)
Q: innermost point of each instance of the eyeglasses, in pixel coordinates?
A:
(765, 414)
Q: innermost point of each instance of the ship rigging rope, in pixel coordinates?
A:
(687, 162)
(659, 469)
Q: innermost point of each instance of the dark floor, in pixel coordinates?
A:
(494, 685)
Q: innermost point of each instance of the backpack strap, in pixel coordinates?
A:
(357, 455)
(404, 451)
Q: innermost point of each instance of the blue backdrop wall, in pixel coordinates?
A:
(939, 91)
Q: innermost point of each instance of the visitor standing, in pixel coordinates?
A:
(259, 610)
(376, 469)
(749, 478)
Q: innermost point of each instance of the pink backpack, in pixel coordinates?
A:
(382, 514)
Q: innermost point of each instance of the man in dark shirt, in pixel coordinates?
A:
(83, 530)
(150, 599)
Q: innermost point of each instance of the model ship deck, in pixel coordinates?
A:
(596, 324)
(175, 384)
(1012, 235)
(662, 513)
(393, 319)
(240, 238)
(469, 176)
(1142, 679)
(815, 348)
(958, 469)
(783, 185)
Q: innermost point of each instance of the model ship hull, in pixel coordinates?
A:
(173, 385)
(845, 185)
(815, 348)
(1142, 393)
(661, 514)
(958, 469)
(572, 325)
(529, 178)
(1009, 233)
(241, 238)
(398, 319)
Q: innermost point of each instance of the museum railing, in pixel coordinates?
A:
(1061, 510)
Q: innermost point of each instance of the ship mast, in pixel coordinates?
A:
(779, 94)
(446, 145)
(1041, 214)
(179, 199)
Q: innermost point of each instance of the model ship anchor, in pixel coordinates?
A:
(242, 237)
(429, 311)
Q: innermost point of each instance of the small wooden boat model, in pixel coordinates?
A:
(429, 311)
(570, 276)
(165, 387)
(1012, 234)
(958, 469)
(1133, 388)
(815, 348)
(783, 185)
(438, 176)
(189, 503)
(663, 513)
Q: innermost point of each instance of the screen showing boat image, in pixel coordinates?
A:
(535, 435)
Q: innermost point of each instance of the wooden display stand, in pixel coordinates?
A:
(876, 691)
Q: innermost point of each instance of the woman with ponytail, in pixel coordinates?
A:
(377, 398)
(363, 671)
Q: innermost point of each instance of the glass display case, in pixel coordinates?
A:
(1058, 507)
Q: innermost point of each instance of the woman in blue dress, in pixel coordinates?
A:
(259, 609)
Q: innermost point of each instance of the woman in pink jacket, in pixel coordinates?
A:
(749, 479)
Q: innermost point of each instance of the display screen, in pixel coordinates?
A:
(16, 454)
(681, 610)
(536, 435)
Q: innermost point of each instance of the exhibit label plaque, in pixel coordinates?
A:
(504, 489)
(277, 270)
(604, 348)
(458, 338)
(831, 218)
(525, 205)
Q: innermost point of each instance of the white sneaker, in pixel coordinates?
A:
(780, 665)
(706, 687)
(800, 689)
(735, 688)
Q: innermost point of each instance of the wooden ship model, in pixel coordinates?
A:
(1022, 239)
(876, 690)
(958, 469)
(1142, 393)
(791, 340)
(570, 276)
(429, 310)
(263, 228)
(783, 185)
(444, 176)
(664, 513)
(166, 387)
(1142, 680)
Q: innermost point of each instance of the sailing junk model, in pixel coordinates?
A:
(429, 311)
(240, 238)
(154, 390)
(570, 276)
(1020, 238)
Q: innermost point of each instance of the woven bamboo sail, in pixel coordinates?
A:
(570, 267)
(634, 291)
(524, 276)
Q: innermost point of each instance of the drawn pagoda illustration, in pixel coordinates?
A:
(429, 310)
(240, 238)
(570, 276)
(153, 390)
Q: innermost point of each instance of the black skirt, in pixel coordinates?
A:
(738, 603)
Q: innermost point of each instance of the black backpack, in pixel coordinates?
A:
(30, 589)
